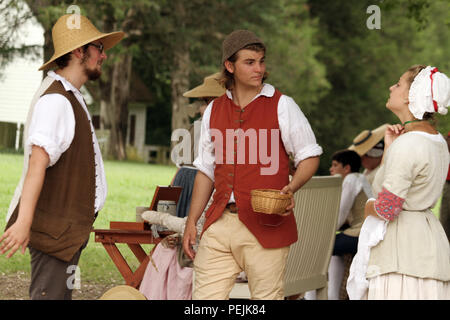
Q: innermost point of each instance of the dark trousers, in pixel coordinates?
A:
(345, 244)
(52, 278)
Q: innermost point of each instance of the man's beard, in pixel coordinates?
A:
(92, 74)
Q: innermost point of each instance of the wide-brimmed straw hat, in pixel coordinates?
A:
(209, 88)
(367, 139)
(123, 292)
(68, 36)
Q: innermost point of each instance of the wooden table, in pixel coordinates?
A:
(134, 239)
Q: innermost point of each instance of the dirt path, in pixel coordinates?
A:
(15, 287)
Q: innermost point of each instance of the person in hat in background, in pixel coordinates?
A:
(411, 261)
(185, 175)
(63, 184)
(369, 145)
(235, 238)
(444, 213)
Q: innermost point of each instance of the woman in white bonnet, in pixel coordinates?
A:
(413, 259)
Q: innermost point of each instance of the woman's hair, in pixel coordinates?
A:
(348, 157)
(227, 78)
(413, 71)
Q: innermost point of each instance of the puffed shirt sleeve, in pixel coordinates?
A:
(296, 133)
(52, 126)
(205, 161)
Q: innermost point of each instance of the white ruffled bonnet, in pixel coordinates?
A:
(429, 92)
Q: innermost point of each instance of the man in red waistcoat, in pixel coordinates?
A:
(63, 184)
(246, 137)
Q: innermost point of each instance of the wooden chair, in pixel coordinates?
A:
(316, 213)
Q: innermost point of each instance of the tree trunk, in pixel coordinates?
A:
(180, 73)
(180, 84)
(118, 106)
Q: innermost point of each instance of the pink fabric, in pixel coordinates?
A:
(388, 205)
(170, 281)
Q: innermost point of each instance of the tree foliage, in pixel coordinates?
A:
(319, 52)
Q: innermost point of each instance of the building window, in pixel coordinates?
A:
(132, 129)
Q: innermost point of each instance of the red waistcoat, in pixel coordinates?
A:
(253, 166)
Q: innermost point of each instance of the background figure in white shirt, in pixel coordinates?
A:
(369, 145)
(63, 183)
(185, 175)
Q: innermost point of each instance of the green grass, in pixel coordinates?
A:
(129, 185)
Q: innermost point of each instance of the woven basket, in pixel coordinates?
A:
(269, 201)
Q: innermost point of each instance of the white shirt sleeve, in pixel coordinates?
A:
(52, 126)
(296, 133)
(205, 161)
(350, 189)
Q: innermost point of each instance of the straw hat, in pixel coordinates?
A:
(68, 37)
(209, 88)
(367, 139)
(123, 292)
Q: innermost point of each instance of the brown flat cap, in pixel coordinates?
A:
(237, 40)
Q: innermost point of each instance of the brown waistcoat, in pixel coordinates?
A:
(65, 209)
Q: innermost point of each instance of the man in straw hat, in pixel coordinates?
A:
(63, 182)
(369, 145)
(185, 176)
(235, 238)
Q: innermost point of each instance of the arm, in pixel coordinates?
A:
(304, 172)
(203, 187)
(386, 207)
(18, 234)
(203, 184)
(298, 139)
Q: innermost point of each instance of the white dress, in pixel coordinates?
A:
(413, 259)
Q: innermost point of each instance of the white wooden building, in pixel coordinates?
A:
(20, 78)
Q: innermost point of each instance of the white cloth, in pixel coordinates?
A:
(173, 223)
(372, 232)
(420, 98)
(51, 125)
(395, 286)
(351, 186)
(296, 133)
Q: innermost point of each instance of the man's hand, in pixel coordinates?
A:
(18, 235)
(290, 208)
(189, 239)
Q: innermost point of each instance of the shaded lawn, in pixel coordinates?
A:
(129, 185)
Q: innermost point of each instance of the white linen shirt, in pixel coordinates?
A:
(52, 127)
(296, 133)
(352, 185)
